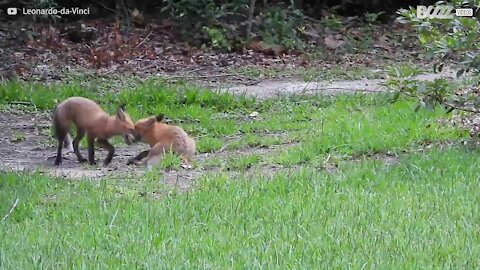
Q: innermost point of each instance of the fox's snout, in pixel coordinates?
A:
(129, 139)
(137, 138)
(130, 134)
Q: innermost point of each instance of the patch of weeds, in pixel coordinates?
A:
(376, 129)
(255, 140)
(311, 74)
(18, 137)
(209, 144)
(283, 26)
(340, 73)
(211, 162)
(243, 162)
(260, 72)
(41, 95)
(170, 161)
(333, 22)
(295, 156)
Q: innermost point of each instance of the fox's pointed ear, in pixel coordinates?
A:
(159, 117)
(120, 112)
(151, 121)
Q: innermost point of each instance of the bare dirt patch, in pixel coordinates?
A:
(26, 144)
(275, 88)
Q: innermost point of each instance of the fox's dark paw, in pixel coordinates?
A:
(92, 163)
(106, 162)
(58, 162)
(82, 160)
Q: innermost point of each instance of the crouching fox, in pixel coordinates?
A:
(89, 119)
(162, 138)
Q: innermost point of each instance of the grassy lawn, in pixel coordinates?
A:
(421, 211)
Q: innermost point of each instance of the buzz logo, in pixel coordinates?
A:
(435, 12)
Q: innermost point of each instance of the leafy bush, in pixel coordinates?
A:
(205, 19)
(283, 26)
(456, 40)
(223, 24)
(444, 39)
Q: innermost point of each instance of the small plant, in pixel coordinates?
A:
(244, 162)
(18, 137)
(205, 20)
(209, 144)
(333, 23)
(373, 17)
(283, 27)
(218, 38)
(170, 161)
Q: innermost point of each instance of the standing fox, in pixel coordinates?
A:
(162, 138)
(90, 119)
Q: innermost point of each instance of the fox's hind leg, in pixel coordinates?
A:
(78, 138)
(155, 154)
(60, 134)
(68, 143)
(111, 150)
(60, 128)
(91, 149)
(153, 160)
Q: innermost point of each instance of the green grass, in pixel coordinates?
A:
(243, 162)
(261, 140)
(421, 213)
(348, 131)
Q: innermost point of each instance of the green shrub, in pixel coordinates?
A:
(283, 26)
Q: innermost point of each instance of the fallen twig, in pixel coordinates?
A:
(223, 148)
(105, 7)
(20, 103)
(452, 107)
(143, 41)
(350, 89)
(15, 203)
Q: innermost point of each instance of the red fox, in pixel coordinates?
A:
(162, 138)
(90, 119)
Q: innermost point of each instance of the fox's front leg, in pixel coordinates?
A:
(138, 159)
(91, 149)
(111, 150)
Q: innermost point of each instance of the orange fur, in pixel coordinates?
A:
(89, 119)
(163, 138)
